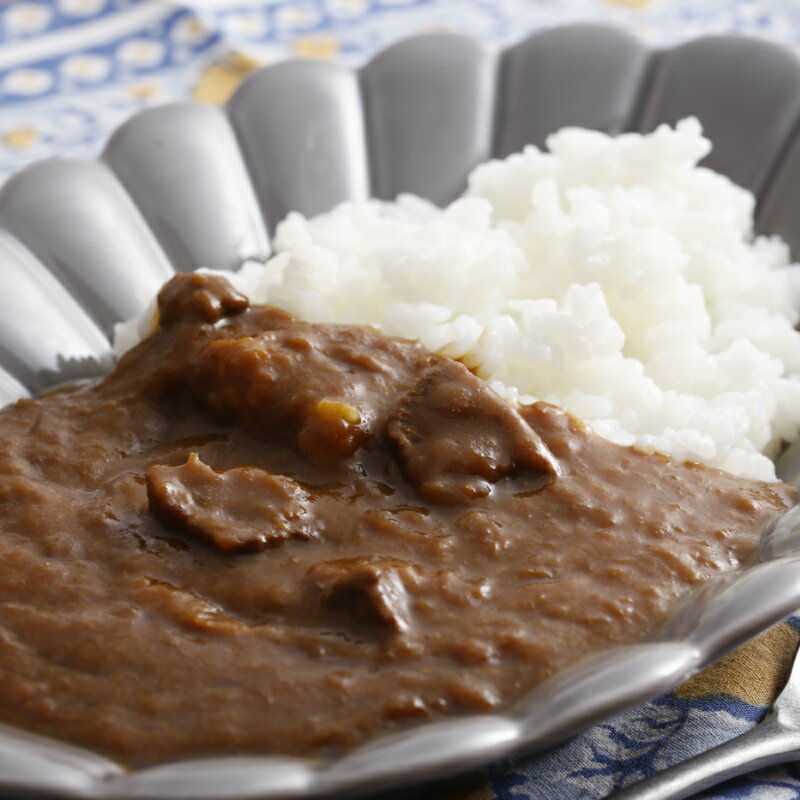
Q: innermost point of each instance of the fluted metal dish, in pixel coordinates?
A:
(84, 244)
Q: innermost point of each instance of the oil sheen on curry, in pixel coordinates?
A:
(263, 535)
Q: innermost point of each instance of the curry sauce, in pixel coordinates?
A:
(264, 535)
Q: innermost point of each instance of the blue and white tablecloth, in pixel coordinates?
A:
(72, 70)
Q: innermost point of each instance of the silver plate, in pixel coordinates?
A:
(84, 244)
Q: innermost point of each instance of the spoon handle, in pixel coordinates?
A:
(766, 744)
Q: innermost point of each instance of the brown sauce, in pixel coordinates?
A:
(261, 535)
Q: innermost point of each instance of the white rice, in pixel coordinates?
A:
(611, 276)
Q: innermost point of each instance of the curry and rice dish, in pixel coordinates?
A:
(408, 468)
(265, 535)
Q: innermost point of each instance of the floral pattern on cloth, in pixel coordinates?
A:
(73, 70)
(714, 706)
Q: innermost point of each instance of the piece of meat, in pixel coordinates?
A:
(211, 298)
(245, 509)
(266, 382)
(454, 437)
(323, 390)
(368, 589)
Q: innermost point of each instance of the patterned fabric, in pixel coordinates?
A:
(72, 70)
(723, 701)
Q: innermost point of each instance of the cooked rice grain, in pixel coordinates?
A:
(609, 275)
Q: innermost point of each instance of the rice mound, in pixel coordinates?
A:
(609, 275)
